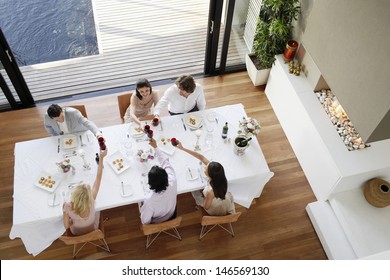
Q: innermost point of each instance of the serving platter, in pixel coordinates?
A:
(69, 141)
(165, 145)
(194, 122)
(48, 182)
(118, 162)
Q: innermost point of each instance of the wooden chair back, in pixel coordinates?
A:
(123, 104)
(150, 229)
(81, 108)
(210, 222)
(97, 235)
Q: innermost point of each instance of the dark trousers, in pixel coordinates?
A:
(195, 109)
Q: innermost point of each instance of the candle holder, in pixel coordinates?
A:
(198, 132)
(86, 165)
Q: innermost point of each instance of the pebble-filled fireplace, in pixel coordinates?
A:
(340, 120)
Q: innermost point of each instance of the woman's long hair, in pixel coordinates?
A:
(81, 199)
(218, 179)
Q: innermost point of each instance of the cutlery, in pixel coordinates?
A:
(200, 175)
(58, 146)
(127, 134)
(189, 170)
(123, 189)
(54, 198)
(216, 120)
(185, 128)
(81, 141)
(161, 125)
(88, 138)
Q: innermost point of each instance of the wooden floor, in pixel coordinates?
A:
(275, 227)
(164, 40)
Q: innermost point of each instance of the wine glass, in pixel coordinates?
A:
(209, 136)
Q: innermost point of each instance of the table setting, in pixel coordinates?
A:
(70, 159)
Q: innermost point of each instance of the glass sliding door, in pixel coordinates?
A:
(15, 92)
(226, 47)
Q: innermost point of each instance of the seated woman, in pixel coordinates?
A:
(141, 103)
(215, 199)
(80, 215)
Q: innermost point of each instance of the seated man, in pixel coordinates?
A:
(183, 97)
(66, 120)
(160, 206)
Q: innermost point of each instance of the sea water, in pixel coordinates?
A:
(41, 31)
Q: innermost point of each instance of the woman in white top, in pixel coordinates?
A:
(183, 97)
(215, 199)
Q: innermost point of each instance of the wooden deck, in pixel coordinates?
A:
(157, 40)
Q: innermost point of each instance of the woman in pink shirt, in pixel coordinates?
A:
(80, 215)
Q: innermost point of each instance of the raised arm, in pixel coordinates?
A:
(96, 184)
(199, 156)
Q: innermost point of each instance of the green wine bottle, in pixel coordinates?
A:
(225, 130)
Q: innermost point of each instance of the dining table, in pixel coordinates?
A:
(41, 187)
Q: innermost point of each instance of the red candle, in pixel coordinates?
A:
(150, 133)
(291, 48)
(146, 128)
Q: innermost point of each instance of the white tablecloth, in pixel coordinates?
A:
(38, 223)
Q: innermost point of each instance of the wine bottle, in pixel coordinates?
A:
(225, 130)
(244, 142)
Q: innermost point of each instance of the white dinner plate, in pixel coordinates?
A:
(135, 130)
(192, 174)
(126, 190)
(165, 145)
(54, 199)
(212, 117)
(48, 182)
(118, 162)
(194, 121)
(69, 141)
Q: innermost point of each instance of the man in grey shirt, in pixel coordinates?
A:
(66, 120)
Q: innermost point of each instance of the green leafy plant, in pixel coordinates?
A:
(273, 30)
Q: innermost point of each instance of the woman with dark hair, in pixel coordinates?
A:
(215, 199)
(141, 102)
(160, 206)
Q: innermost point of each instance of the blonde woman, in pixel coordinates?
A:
(80, 215)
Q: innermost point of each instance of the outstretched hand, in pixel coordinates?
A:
(153, 143)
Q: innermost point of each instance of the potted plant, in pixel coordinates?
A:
(273, 30)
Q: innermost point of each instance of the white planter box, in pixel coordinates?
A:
(258, 77)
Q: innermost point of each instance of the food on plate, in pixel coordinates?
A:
(192, 120)
(46, 182)
(165, 140)
(138, 129)
(118, 163)
(69, 142)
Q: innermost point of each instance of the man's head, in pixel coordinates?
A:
(186, 85)
(55, 112)
(158, 179)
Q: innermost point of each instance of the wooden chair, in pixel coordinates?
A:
(97, 235)
(81, 108)
(150, 229)
(213, 221)
(123, 104)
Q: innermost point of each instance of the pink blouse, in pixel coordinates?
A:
(79, 225)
